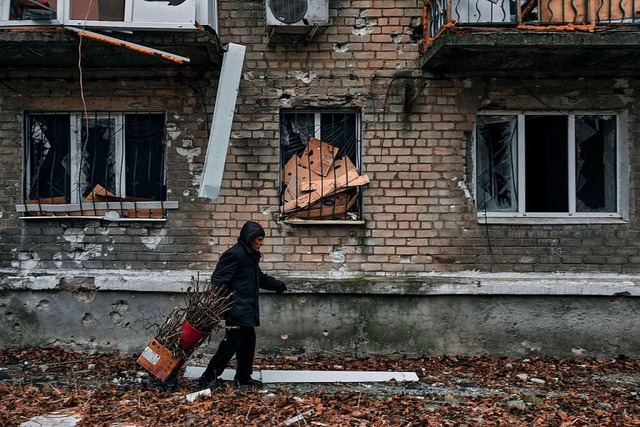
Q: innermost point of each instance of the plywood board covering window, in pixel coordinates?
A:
(321, 177)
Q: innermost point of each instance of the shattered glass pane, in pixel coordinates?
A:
(98, 164)
(338, 130)
(596, 185)
(496, 163)
(48, 156)
(144, 153)
(295, 130)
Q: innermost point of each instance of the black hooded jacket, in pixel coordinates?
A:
(238, 271)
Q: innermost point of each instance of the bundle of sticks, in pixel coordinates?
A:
(205, 308)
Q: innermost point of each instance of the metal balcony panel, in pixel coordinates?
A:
(511, 52)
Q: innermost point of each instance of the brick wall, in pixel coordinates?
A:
(417, 215)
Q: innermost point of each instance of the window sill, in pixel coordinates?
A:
(89, 217)
(297, 221)
(108, 211)
(556, 220)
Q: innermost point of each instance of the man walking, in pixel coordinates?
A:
(238, 271)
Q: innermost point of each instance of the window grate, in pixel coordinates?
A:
(320, 165)
(102, 157)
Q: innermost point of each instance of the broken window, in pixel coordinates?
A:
(546, 165)
(568, 164)
(98, 10)
(320, 165)
(496, 136)
(596, 185)
(82, 160)
(32, 10)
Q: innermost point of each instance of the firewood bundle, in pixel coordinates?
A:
(205, 308)
(319, 184)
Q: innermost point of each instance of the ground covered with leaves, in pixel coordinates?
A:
(111, 389)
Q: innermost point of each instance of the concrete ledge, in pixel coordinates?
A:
(462, 283)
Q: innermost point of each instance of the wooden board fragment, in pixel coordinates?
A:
(145, 213)
(327, 188)
(343, 166)
(47, 201)
(290, 168)
(298, 183)
(100, 194)
(332, 206)
(318, 156)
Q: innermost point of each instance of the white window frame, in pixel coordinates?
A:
(60, 211)
(204, 13)
(572, 216)
(77, 124)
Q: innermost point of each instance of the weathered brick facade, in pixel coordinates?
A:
(419, 216)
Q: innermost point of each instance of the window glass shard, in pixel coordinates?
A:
(596, 186)
(48, 156)
(496, 166)
(98, 166)
(145, 153)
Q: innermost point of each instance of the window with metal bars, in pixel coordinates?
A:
(320, 165)
(103, 157)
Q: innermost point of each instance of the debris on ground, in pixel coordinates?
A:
(110, 389)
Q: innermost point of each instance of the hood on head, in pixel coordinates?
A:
(250, 230)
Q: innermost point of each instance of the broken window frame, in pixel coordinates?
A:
(487, 214)
(353, 214)
(63, 10)
(84, 194)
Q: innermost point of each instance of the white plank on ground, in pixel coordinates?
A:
(194, 372)
(64, 418)
(275, 376)
(290, 376)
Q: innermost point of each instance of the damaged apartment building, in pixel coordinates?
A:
(437, 177)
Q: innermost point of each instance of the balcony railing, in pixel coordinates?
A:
(539, 12)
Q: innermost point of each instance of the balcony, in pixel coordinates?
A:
(115, 33)
(529, 38)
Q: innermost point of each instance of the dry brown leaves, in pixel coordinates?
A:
(453, 391)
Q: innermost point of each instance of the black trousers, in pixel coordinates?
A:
(238, 340)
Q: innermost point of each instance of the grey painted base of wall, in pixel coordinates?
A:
(356, 325)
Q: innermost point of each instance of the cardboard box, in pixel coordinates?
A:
(159, 361)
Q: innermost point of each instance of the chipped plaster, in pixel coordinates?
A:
(152, 241)
(338, 254)
(306, 77)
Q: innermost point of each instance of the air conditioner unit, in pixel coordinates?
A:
(281, 14)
